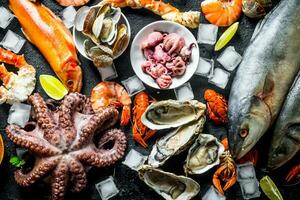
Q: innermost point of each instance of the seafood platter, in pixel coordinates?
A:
(149, 99)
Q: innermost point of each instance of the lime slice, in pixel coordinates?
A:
(269, 188)
(226, 36)
(53, 87)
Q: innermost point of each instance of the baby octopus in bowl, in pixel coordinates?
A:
(167, 56)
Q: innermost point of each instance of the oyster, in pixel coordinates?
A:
(172, 113)
(175, 142)
(203, 154)
(169, 185)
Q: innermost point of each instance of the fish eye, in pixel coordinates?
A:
(70, 83)
(244, 132)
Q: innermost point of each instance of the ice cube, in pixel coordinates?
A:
(213, 194)
(108, 73)
(134, 160)
(219, 78)
(107, 188)
(68, 16)
(133, 85)
(5, 17)
(12, 41)
(245, 171)
(229, 58)
(19, 114)
(207, 34)
(184, 92)
(205, 67)
(250, 189)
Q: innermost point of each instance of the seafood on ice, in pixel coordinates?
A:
(172, 113)
(16, 87)
(286, 136)
(48, 33)
(204, 154)
(269, 66)
(175, 142)
(189, 19)
(140, 132)
(106, 35)
(255, 8)
(170, 186)
(216, 106)
(166, 56)
(72, 2)
(109, 93)
(65, 141)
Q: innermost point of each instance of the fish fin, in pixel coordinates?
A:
(268, 88)
(294, 132)
(260, 108)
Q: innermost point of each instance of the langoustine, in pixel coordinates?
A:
(141, 133)
(189, 19)
(16, 87)
(48, 33)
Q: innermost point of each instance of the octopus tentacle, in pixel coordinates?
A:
(66, 112)
(41, 167)
(79, 175)
(31, 141)
(101, 157)
(103, 120)
(60, 181)
(44, 119)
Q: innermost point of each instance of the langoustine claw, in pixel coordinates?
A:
(293, 173)
(16, 87)
(226, 170)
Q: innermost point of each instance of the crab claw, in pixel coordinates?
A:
(230, 183)
(216, 181)
(138, 138)
(295, 171)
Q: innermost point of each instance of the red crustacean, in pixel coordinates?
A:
(140, 132)
(216, 106)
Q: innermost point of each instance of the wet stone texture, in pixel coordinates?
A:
(126, 179)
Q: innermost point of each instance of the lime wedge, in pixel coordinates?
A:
(53, 87)
(226, 36)
(269, 188)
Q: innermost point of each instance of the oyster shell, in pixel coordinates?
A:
(169, 185)
(172, 113)
(175, 142)
(203, 155)
(103, 61)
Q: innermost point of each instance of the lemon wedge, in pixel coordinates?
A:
(53, 87)
(269, 188)
(226, 36)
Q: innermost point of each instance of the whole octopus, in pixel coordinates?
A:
(65, 139)
(166, 56)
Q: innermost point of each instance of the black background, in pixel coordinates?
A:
(127, 180)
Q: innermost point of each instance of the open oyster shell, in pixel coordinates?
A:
(175, 142)
(203, 155)
(169, 185)
(172, 113)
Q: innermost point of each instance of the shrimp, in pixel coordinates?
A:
(72, 2)
(222, 12)
(111, 94)
(16, 87)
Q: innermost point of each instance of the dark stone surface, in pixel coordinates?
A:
(127, 180)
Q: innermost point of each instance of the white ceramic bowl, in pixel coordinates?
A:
(137, 57)
(79, 38)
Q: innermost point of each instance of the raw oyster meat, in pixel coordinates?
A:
(169, 185)
(175, 142)
(172, 113)
(203, 154)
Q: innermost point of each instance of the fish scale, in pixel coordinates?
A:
(269, 66)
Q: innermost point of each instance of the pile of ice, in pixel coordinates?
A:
(19, 114)
(107, 188)
(184, 92)
(133, 85)
(248, 182)
(213, 194)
